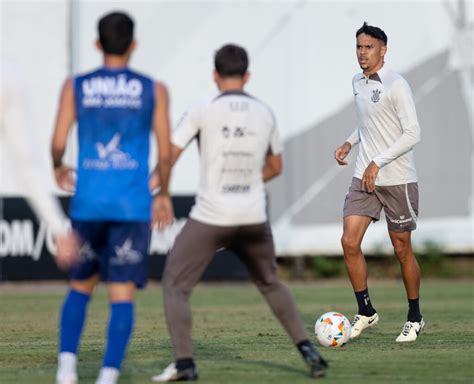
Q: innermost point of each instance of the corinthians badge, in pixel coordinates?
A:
(376, 95)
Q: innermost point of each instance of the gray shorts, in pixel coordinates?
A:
(400, 204)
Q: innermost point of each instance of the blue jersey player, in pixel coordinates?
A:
(116, 109)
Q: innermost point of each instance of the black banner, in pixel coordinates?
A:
(27, 245)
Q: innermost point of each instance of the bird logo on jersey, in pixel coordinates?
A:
(111, 150)
(126, 254)
(376, 95)
(111, 156)
(86, 253)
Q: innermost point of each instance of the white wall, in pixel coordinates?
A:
(34, 35)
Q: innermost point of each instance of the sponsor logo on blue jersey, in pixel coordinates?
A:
(112, 92)
(110, 156)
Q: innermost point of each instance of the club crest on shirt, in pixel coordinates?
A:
(376, 95)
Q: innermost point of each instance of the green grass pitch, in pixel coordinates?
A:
(237, 340)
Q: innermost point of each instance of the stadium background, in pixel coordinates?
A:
(302, 61)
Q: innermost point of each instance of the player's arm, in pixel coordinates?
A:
(64, 121)
(155, 178)
(404, 105)
(162, 210)
(273, 160)
(175, 153)
(20, 145)
(343, 151)
(161, 127)
(272, 167)
(185, 132)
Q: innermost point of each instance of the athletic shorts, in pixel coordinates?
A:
(118, 251)
(399, 202)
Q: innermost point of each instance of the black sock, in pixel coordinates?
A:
(305, 347)
(414, 314)
(365, 306)
(182, 364)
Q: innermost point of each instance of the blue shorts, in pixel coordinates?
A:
(117, 250)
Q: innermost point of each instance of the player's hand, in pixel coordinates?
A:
(65, 179)
(154, 180)
(341, 153)
(369, 177)
(162, 211)
(67, 250)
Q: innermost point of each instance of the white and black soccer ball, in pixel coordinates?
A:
(332, 329)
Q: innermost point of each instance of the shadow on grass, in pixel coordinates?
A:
(278, 366)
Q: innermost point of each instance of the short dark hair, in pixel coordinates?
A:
(231, 60)
(375, 32)
(115, 33)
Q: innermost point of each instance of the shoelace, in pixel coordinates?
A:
(406, 328)
(356, 319)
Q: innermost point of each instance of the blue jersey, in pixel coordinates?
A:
(114, 111)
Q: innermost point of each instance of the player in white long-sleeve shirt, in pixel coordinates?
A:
(385, 176)
(17, 149)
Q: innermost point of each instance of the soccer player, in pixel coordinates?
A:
(17, 150)
(385, 177)
(239, 151)
(116, 109)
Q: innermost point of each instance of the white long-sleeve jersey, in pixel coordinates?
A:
(17, 149)
(387, 127)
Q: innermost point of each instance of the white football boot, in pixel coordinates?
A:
(108, 375)
(168, 374)
(410, 331)
(361, 322)
(172, 374)
(66, 373)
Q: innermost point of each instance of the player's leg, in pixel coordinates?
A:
(84, 278)
(254, 246)
(71, 324)
(409, 266)
(192, 252)
(411, 278)
(354, 229)
(125, 265)
(360, 208)
(401, 210)
(119, 330)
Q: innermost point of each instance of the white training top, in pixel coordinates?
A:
(235, 132)
(17, 149)
(387, 128)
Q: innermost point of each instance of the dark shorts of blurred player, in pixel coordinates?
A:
(118, 251)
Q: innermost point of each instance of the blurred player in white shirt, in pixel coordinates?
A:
(239, 152)
(17, 151)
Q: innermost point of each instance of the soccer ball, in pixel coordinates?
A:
(332, 329)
